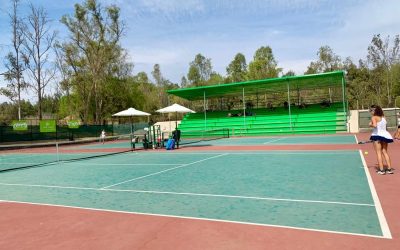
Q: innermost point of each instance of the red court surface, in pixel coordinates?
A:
(30, 226)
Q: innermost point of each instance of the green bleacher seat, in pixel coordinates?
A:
(311, 120)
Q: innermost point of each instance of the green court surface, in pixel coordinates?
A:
(239, 141)
(326, 191)
(287, 140)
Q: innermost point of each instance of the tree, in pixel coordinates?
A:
(184, 82)
(37, 44)
(327, 61)
(150, 92)
(14, 62)
(161, 84)
(65, 76)
(359, 90)
(200, 70)
(94, 54)
(237, 69)
(156, 73)
(289, 73)
(215, 78)
(263, 65)
(8, 111)
(382, 56)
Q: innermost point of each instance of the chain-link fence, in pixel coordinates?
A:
(268, 99)
(391, 115)
(63, 132)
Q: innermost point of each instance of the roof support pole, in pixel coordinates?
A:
(290, 112)
(257, 99)
(205, 110)
(344, 102)
(244, 112)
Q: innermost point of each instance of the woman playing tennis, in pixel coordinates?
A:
(381, 138)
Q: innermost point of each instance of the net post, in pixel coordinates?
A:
(58, 152)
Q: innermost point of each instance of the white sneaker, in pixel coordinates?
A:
(389, 171)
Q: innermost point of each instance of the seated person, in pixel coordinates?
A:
(248, 113)
(269, 106)
(286, 105)
(302, 105)
(249, 105)
(235, 115)
(325, 104)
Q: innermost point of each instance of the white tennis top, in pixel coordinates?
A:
(380, 129)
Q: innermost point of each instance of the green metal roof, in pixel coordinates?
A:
(314, 81)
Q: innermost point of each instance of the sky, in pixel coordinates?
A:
(172, 32)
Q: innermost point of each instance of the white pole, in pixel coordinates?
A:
(290, 112)
(244, 112)
(343, 97)
(205, 111)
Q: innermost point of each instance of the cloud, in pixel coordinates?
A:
(173, 6)
(143, 55)
(361, 22)
(172, 32)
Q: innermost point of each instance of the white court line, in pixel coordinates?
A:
(196, 218)
(275, 140)
(121, 164)
(381, 216)
(355, 137)
(166, 170)
(99, 164)
(263, 152)
(192, 194)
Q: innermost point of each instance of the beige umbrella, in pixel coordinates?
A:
(175, 108)
(130, 112)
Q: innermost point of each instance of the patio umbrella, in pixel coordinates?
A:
(130, 112)
(175, 108)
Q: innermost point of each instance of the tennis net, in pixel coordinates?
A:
(34, 155)
(196, 136)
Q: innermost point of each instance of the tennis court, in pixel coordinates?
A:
(242, 141)
(326, 191)
(282, 140)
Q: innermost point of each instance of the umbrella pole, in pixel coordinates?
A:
(131, 125)
(169, 119)
(176, 120)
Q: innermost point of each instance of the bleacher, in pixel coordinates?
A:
(312, 119)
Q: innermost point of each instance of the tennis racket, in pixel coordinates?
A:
(364, 142)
